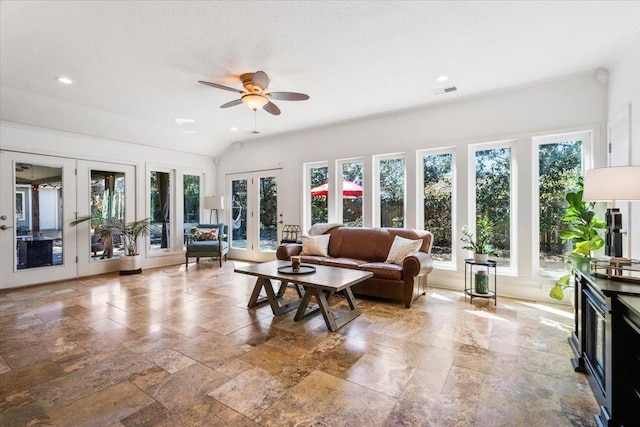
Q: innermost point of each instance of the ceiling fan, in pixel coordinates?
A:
(255, 95)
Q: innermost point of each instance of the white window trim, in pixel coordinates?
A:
(306, 191)
(376, 185)
(175, 245)
(339, 179)
(512, 270)
(587, 143)
(420, 154)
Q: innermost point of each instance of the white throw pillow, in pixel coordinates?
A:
(402, 247)
(315, 245)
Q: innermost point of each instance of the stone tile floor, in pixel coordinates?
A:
(171, 348)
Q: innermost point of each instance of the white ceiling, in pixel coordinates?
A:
(142, 59)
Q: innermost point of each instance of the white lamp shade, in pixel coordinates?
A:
(614, 183)
(214, 202)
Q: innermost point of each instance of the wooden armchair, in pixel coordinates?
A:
(208, 248)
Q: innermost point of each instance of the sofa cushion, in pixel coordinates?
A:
(383, 270)
(342, 262)
(402, 247)
(311, 259)
(315, 245)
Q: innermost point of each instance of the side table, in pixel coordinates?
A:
(471, 269)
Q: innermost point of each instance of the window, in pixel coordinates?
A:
(559, 168)
(494, 200)
(191, 195)
(438, 192)
(391, 187)
(351, 193)
(319, 188)
(160, 209)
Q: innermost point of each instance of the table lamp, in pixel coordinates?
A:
(611, 184)
(213, 203)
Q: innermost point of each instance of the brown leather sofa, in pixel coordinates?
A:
(367, 249)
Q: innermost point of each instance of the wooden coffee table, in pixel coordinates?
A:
(320, 284)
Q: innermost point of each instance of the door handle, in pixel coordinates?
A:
(3, 217)
(4, 227)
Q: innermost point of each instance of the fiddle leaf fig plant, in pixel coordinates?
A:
(581, 228)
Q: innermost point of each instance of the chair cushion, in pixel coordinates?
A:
(206, 246)
(206, 234)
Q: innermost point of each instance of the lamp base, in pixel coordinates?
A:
(613, 238)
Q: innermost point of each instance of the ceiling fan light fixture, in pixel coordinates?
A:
(255, 101)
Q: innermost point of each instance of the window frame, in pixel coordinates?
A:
(376, 186)
(586, 136)
(339, 197)
(420, 154)
(306, 191)
(511, 144)
(175, 245)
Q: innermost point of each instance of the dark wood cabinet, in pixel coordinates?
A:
(606, 342)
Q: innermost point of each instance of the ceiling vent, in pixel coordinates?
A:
(444, 90)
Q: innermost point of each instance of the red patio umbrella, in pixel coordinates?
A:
(349, 189)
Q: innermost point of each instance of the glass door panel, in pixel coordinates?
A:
(106, 194)
(268, 220)
(35, 205)
(238, 211)
(254, 220)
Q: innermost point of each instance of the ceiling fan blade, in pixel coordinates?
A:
(216, 85)
(288, 96)
(260, 79)
(272, 108)
(231, 103)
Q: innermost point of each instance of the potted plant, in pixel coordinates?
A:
(129, 233)
(581, 228)
(481, 244)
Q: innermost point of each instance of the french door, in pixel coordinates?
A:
(106, 193)
(37, 202)
(253, 214)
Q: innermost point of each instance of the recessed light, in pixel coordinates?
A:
(234, 128)
(181, 122)
(442, 78)
(64, 80)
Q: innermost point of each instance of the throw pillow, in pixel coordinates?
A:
(315, 245)
(206, 234)
(400, 248)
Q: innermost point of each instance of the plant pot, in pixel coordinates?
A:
(480, 258)
(130, 264)
(583, 265)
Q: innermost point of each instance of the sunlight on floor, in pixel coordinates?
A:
(440, 297)
(486, 315)
(548, 309)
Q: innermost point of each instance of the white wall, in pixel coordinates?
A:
(37, 140)
(624, 90)
(576, 104)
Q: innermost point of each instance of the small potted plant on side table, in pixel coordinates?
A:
(480, 246)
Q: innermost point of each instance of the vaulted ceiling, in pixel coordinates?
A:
(139, 61)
